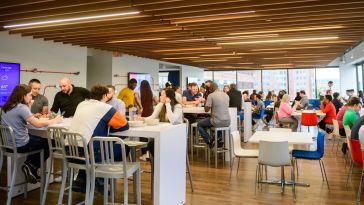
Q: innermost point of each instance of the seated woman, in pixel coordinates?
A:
(16, 114)
(285, 112)
(167, 110)
(328, 108)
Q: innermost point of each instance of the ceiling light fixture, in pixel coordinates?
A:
(288, 30)
(180, 58)
(71, 19)
(210, 60)
(288, 48)
(212, 17)
(243, 37)
(137, 40)
(281, 40)
(187, 49)
(218, 54)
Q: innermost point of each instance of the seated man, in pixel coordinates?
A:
(192, 96)
(351, 113)
(303, 103)
(218, 103)
(40, 102)
(93, 118)
(328, 108)
(115, 102)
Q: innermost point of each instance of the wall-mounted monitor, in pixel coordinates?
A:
(140, 77)
(9, 79)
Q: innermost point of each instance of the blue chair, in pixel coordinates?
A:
(267, 102)
(314, 103)
(313, 155)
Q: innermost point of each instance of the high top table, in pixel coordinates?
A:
(170, 143)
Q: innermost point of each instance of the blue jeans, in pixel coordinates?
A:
(202, 128)
(35, 143)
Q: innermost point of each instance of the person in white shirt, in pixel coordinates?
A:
(167, 110)
(323, 92)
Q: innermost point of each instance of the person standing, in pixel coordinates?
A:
(40, 102)
(128, 96)
(147, 98)
(114, 102)
(234, 97)
(68, 98)
(324, 92)
(218, 103)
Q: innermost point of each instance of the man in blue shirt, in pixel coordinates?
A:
(192, 96)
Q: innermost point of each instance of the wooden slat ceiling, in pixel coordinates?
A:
(213, 34)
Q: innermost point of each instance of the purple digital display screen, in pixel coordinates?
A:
(9, 79)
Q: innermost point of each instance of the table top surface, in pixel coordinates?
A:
(291, 137)
(299, 112)
(196, 110)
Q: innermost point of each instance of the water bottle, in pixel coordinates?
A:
(132, 113)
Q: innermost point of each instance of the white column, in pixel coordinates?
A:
(247, 120)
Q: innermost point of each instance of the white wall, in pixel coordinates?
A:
(347, 62)
(99, 67)
(347, 78)
(127, 63)
(44, 55)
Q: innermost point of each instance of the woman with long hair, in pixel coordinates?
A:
(16, 114)
(167, 110)
(147, 98)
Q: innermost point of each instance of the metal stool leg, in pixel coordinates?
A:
(12, 182)
(189, 173)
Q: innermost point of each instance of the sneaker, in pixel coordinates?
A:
(265, 122)
(144, 157)
(30, 173)
(79, 186)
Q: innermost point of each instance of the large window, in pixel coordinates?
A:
(274, 80)
(359, 74)
(301, 79)
(224, 78)
(249, 80)
(323, 76)
(207, 75)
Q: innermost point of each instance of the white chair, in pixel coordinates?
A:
(239, 152)
(108, 168)
(55, 152)
(8, 149)
(336, 136)
(76, 154)
(274, 154)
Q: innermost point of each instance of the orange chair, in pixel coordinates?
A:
(356, 156)
(309, 119)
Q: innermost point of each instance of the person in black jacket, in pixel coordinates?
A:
(337, 101)
(235, 97)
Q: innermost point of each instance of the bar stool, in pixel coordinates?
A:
(197, 141)
(8, 148)
(217, 150)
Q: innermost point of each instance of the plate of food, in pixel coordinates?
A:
(136, 123)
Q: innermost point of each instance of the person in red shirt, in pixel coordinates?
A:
(327, 107)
